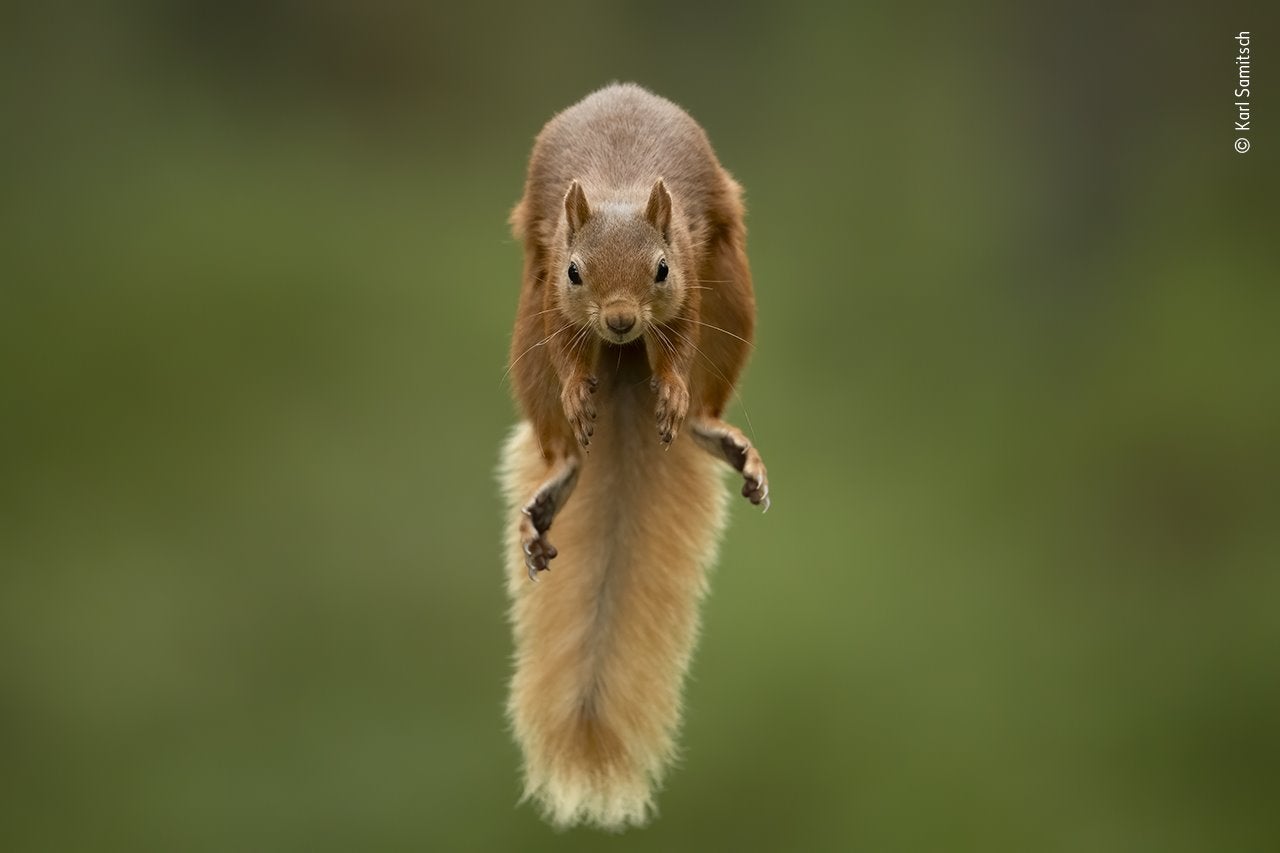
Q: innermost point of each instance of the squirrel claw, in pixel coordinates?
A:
(755, 486)
(533, 572)
(537, 556)
(538, 552)
(757, 492)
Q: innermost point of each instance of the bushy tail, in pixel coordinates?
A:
(603, 640)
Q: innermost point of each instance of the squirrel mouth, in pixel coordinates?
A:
(613, 336)
(619, 338)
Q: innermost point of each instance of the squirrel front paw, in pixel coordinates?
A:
(578, 408)
(538, 551)
(673, 406)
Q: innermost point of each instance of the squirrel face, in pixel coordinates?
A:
(621, 272)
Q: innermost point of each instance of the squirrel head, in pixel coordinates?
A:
(621, 271)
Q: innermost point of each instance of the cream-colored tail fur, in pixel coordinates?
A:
(603, 640)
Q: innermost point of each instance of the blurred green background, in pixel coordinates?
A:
(1016, 383)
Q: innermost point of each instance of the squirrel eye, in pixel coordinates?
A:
(573, 274)
(662, 271)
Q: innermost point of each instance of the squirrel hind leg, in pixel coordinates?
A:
(540, 510)
(725, 441)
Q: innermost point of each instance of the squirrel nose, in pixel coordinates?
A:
(621, 321)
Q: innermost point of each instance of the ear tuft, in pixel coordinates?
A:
(658, 210)
(576, 209)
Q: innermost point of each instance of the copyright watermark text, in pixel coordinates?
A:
(1244, 114)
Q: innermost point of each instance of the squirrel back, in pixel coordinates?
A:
(616, 141)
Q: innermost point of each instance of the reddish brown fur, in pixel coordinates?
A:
(661, 141)
(617, 183)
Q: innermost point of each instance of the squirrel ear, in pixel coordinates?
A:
(658, 210)
(576, 209)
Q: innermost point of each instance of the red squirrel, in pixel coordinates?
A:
(636, 317)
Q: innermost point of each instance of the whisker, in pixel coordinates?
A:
(664, 341)
(580, 340)
(516, 361)
(572, 346)
(583, 338)
(718, 329)
(592, 315)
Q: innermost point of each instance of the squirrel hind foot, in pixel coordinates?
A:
(538, 551)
